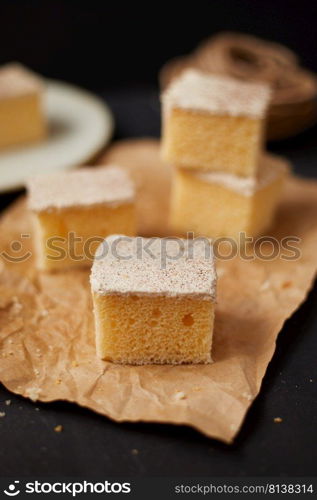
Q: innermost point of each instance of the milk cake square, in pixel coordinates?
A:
(154, 300)
(22, 118)
(74, 211)
(215, 204)
(214, 123)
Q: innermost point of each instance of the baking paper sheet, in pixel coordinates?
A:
(47, 349)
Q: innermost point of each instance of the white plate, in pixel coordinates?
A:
(80, 124)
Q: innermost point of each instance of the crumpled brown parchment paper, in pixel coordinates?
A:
(47, 347)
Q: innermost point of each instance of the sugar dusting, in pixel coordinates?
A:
(17, 80)
(221, 95)
(270, 168)
(125, 265)
(83, 187)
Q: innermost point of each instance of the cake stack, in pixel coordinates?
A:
(213, 129)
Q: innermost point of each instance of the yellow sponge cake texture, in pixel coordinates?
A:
(22, 118)
(214, 123)
(154, 300)
(223, 205)
(74, 211)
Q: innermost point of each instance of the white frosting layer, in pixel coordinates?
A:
(221, 95)
(158, 266)
(271, 167)
(16, 80)
(83, 187)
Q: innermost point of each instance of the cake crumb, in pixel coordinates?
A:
(220, 272)
(179, 395)
(278, 420)
(135, 451)
(33, 393)
(37, 408)
(44, 313)
(58, 381)
(16, 307)
(265, 285)
(247, 396)
(287, 284)
(58, 428)
(8, 402)
(2, 414)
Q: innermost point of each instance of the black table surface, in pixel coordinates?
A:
(91, 445)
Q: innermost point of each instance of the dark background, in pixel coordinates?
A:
(101, 44)
(116, 49)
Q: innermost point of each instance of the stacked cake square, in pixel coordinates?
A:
(213, 130)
